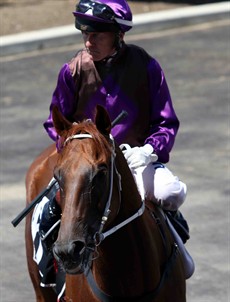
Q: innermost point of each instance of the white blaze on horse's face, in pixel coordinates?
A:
(83, 172)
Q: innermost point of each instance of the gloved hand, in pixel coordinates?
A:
(139, 156)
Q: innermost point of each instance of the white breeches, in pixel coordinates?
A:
(157, 183)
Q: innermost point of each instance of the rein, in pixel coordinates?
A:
(147, 297)
(139, 212)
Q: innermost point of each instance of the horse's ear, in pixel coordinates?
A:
(102, 120)
(61, 124)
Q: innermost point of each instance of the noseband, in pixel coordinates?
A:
(99, 236)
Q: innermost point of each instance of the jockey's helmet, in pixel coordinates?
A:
(103, 16)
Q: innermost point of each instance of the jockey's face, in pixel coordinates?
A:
(99, 44)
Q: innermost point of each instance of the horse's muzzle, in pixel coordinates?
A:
(73, 256)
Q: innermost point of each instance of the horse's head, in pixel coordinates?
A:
(83, 172)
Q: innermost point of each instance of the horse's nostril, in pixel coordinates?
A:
(77, 248)
(57, 251)
(73, 250)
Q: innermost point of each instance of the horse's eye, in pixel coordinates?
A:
(100, 187)
(102, 170)
(58, 177)
(100, 176)
(57, 174)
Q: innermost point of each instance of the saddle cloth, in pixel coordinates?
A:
(50, 274)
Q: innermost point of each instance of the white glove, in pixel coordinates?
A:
(139, 156)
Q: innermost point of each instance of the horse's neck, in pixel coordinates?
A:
(129, 256)
(130, 199)
(130, 196)
(131, 253)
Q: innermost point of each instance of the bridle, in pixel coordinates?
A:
(99, 236)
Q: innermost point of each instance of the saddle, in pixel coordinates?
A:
(179, 229)
(179, 223)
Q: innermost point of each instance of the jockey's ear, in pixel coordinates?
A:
(102, 120)
(61, 124)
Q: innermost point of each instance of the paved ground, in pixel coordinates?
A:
(195, 56)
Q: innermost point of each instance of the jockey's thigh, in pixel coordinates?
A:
(157, 183)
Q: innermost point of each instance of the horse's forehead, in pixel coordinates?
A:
(83, 127)
(81, 150)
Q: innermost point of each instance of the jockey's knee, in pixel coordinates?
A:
(170, 196)
(169, 191)
(157, 183)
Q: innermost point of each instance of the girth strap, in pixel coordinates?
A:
(103, 297)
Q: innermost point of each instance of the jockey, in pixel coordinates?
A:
(120, 77)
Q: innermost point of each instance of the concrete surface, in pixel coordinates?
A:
(67, 35)
(194, 53)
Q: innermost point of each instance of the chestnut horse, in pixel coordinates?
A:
(112, 245)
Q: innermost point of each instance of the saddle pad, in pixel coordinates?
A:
(50, 274)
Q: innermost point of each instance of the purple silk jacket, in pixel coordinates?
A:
(133, 81)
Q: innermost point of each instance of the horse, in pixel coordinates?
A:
(112, 245)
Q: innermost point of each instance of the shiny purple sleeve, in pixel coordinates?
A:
(63, 98)
(164, 122)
